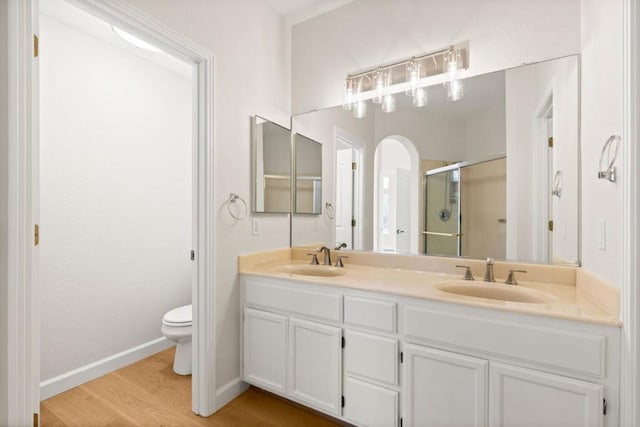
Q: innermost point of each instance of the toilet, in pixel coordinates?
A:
(176, 327)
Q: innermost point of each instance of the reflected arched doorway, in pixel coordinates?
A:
(396, 195)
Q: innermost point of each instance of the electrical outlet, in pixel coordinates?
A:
(255, 227)
(601, 235)
(316, 225)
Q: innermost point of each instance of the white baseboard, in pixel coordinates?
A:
(229, 391)
(89, 372)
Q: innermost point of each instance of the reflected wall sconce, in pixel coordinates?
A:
(608, 157)
(411, 76)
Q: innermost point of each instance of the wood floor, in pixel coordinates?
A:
(148, 393)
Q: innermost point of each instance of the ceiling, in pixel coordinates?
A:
(296, 11)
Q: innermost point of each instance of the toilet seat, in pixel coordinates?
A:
(178, 317)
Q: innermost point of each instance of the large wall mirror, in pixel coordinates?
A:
(271, 153)
(494, 174)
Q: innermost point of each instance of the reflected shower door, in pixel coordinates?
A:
(442, 231)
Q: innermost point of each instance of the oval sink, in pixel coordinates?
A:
(496, 292)
(313, 270)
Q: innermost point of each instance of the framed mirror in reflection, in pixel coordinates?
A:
(470, 178)
(271, 154)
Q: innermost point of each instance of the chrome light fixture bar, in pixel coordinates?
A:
(411, 76)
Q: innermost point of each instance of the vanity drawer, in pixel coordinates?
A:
(268, 295)
(570, 351)
(371, 357)
(370, 313)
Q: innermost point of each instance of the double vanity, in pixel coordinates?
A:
(401, 340)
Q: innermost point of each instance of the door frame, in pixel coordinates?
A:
(630, 291)
(23, 305)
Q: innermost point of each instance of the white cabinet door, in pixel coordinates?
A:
(265, 350)
(315, 365)
(525, 398)
(444, 389)
(370, 405)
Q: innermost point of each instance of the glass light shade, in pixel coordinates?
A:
(455, 90)
(349, 94)
(389, 104)
(360, 109)
(420, 97)
(379, 84)
(413, 76)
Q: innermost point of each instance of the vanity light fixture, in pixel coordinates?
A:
(411, 76)
(133, 40)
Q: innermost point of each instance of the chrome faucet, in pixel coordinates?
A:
(488, 272)
(327, 254)
(340, 246)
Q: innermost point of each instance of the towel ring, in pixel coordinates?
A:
(331, 211)
(609, 154)
(233, 197)
(557, 184)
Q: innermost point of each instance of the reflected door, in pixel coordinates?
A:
(442, 232)
(344, 196)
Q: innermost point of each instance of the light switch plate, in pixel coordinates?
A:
(315, 224)
(255, 227)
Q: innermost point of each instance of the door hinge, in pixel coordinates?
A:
(343, 401)
(550, 225)
(354, 165)
(550, 142)
(36, 46)
(193, 255)
(353, 222)
(344, 342)
(604, 406)
(36, 422)
(36, 235)
(401, 357)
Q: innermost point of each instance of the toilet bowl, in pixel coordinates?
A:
(176, 327)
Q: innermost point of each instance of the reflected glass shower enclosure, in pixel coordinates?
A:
(465, 209)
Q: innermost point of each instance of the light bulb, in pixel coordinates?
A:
(413, 76)
(420, 97)
(360, 109)
(389, 104)
(379, 83)
(349, 94)
(450, 61)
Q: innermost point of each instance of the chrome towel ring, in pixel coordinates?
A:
(231, 201)
(608, 156)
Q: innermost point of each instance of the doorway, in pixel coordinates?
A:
(116, 195)
(396, 196)
(24, 308)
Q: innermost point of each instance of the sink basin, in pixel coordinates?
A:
(313, 270)
(496, 292)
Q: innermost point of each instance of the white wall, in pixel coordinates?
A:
(115, 172)
(365, 33)
(252, 68)
(3, 215)
(601, 117)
